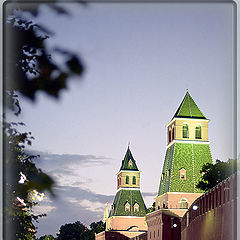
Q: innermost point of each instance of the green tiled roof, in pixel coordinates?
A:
(131, 196)
(188, 109)
(191, 157)
(128, 163)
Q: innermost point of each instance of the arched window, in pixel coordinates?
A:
(183, 203)
(136, 207)
(182, 173)
(185, 130)
(173, 133)
(130, 163)
(198, 132)
(127, 179)
(127, 207)
(118, 181)
(134, 180)
(169, 136)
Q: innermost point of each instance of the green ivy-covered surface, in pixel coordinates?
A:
(189, 109)
(132, 197)
(164, 183)
(182, 159)
(191, 157)
(125, 162)
(203, 154)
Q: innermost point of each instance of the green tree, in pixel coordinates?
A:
(77, 231)
(74, 231)
(47, 237)
(23, 184)
(97, 227)
(29, 67)
(212, 174)
(151, 209)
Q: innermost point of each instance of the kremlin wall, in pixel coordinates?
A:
(182, 211)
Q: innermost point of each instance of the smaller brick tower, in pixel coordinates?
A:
(128, 211)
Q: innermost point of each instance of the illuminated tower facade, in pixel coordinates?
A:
(128, 211)
(187, 151)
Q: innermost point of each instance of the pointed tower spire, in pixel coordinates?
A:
(128, 163)
(188, 108)
(105, 216)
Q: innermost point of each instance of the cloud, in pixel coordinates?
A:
(43, 209)
(69, 160)
(66, 169)
(149, 194)
(96, 207)
(73, 175)
(72, 204)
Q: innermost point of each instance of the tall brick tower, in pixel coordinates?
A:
(187, 151)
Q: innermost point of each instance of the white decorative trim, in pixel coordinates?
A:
(128, 188)
(192, 119)
(187, 141)
(129, 171)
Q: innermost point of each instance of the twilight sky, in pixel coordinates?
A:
(139, 59)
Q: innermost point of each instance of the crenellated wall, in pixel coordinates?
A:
(215, 217)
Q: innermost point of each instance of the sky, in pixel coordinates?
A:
(139, 60)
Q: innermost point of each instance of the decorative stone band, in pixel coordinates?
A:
(134, 171)
(128, 188)
(192, 119)
(185, 193)
(187, 141)
(125, 217)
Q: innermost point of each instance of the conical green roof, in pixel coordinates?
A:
(132, 197)
(188, 109)
(128, 163)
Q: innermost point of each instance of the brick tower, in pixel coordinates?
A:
(128, 211)
(187, 151)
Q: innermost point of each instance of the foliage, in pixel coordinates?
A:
(215, 173)
(22, 182)
(73, 231)
(77, 231)
(151, 209)
(29, 67)
(97, 227)
(47, 237)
